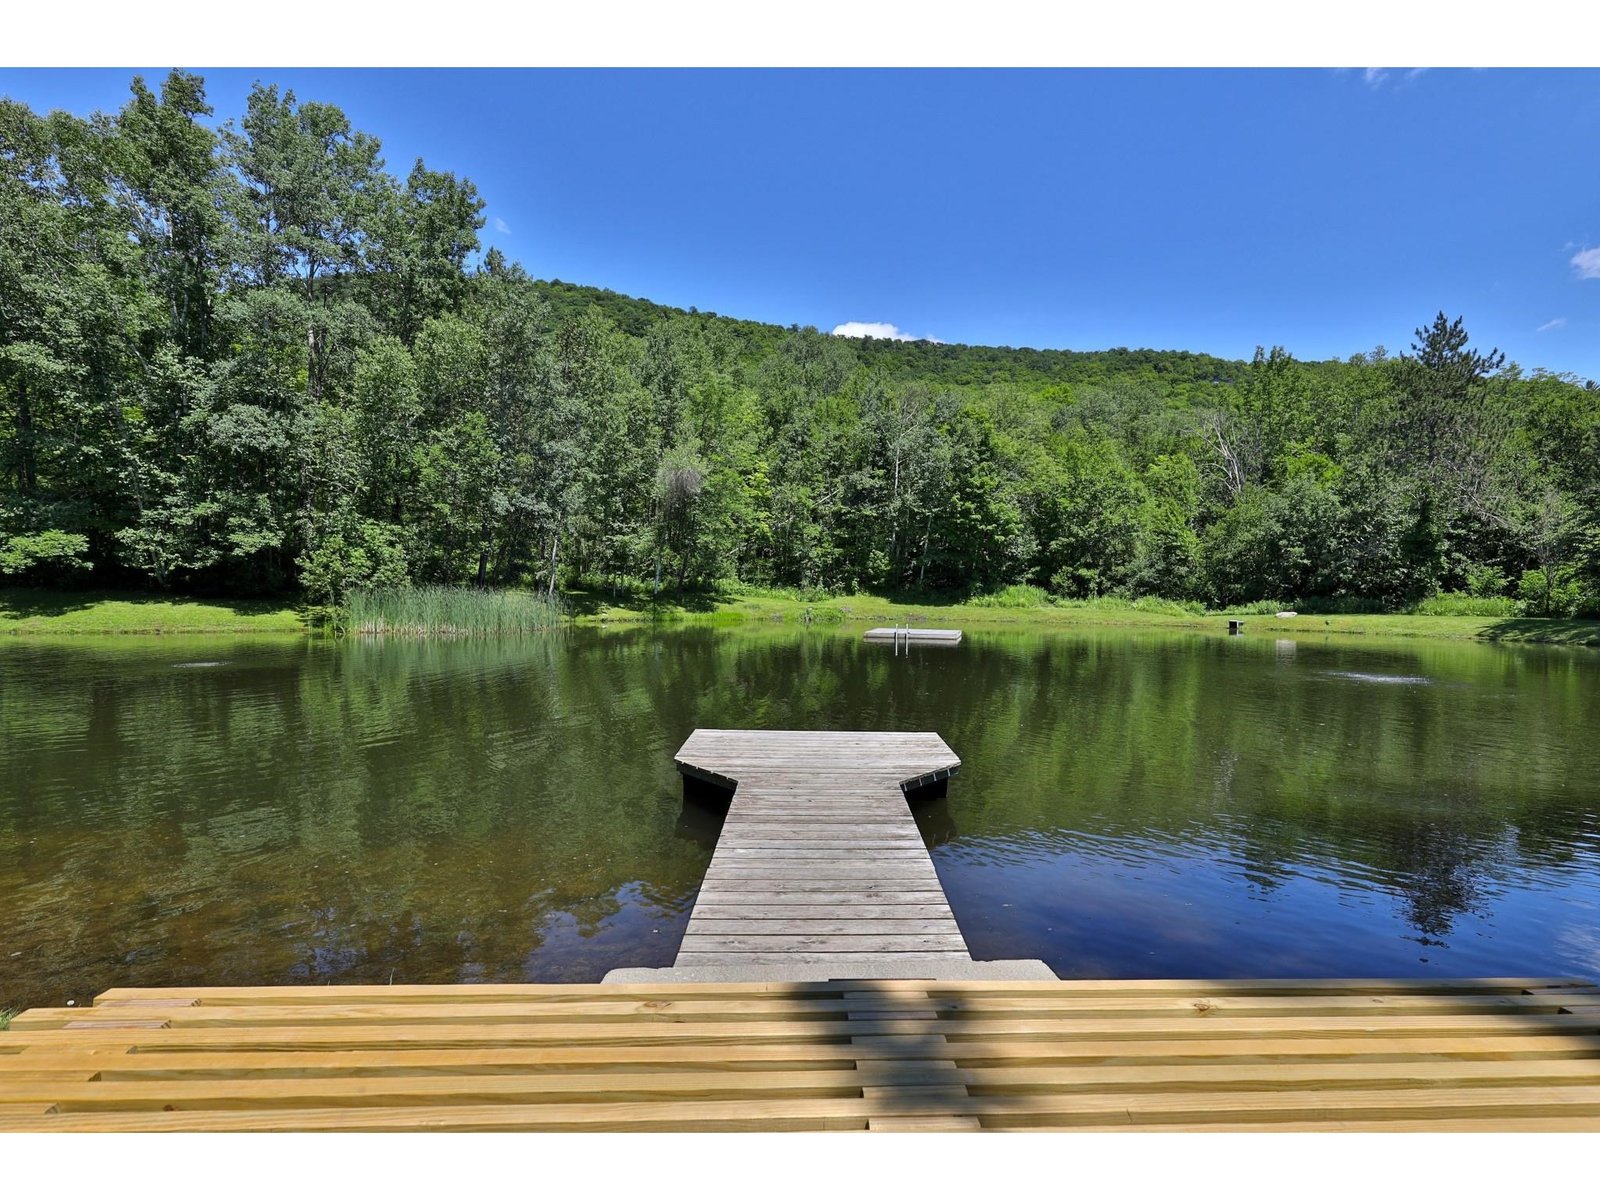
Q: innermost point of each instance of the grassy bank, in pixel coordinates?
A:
(31, 610)
(869, 610)
(454, 611)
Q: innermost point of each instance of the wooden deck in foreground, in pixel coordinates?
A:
(1476, 1055)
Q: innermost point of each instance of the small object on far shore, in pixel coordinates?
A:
(1288, 612)
(1235, 628)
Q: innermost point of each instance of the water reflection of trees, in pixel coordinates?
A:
(1432, 793)
(1443, 877)
(445, 802)
(337, 813)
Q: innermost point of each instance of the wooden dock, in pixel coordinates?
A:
(820, 870)
(1436, 1056)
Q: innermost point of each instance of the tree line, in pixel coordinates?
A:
(248, 358)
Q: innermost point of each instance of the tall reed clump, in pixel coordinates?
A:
(1017, 595)
(449, 612)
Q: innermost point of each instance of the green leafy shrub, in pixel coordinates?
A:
(1467, 604)
(49, 552)
(1558, 594)
(1485, 581)
(1017, 595)
(366, 554)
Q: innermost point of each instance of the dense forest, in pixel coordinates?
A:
(244, 358)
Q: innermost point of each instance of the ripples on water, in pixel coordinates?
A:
(1130, 805)
(1369, 677)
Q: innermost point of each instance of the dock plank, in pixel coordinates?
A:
(819, 823)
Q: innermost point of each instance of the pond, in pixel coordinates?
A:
(1131, 805)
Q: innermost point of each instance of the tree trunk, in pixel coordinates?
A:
(894, 522)
(27, 479)
(684, 549)
(313, 386)
(555, 550)
(927, 533)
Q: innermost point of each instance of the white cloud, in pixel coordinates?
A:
(500, 226)
(1587, 263)
(879, 329)
(1376, 77)
(873, 329)
(1555, 323)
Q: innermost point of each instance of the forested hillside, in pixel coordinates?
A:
(246, 358)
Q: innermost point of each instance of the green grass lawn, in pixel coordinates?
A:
(35, 611)
(31, 610)
(867, 611)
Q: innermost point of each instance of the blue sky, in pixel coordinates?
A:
(1326, 211)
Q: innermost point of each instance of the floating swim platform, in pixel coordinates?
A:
(936, 637)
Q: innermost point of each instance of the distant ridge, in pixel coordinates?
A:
(947, 363)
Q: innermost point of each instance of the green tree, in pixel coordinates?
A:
(976, 528)
(180, 198)
(1168, 559)
(74, 313)
(421, 238)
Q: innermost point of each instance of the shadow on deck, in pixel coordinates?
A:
(847, 1054)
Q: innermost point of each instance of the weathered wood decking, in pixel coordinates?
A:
(820, 870)
(1474, 1055)
(819, 857)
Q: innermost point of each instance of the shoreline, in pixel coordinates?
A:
(32, 613)
(868, 611)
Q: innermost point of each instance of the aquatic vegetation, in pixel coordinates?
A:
(449, 612)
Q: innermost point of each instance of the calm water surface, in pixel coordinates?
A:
(260, 812)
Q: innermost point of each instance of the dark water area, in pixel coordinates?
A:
(1132, 804)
